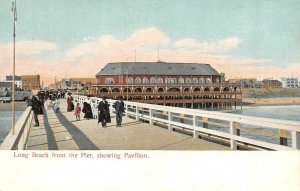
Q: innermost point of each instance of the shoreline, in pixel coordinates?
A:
(19, 106)
(279, 101)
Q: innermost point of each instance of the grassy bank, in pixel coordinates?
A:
(271, 93)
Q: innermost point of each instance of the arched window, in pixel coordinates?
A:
(138, 80)
(168, 80)
(201, 80)
(175, 80)
(152, 80)
(195, 80)
(181, 80)
(188, 80)
(130, 80)
(208, 80)
(109, 80)
(160, 80)
(145, 81)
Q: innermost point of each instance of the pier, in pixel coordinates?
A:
(147, 127)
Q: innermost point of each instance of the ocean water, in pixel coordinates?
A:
(5, 122)
(289, 112)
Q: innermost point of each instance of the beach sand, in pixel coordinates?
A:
(272, 101)
(19, 106)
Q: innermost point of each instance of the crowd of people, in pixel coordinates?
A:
(52, 100)
(37, 101)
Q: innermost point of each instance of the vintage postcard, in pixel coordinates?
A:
(138, 88)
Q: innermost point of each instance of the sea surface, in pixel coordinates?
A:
(290, 112)
(5, 122)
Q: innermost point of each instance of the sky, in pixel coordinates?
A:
(76, 38)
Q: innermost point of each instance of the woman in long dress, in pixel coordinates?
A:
(103, 112)
(70, 103)
(87, 109)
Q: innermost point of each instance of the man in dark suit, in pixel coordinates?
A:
(37, 108)
(119, 107)
(103, 112)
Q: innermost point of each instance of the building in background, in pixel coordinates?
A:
(18, 80)
(245, 82)
(71, 84)
(270, 83)
(289, 82)
(31, 82)
(6, 86)
(178, 84)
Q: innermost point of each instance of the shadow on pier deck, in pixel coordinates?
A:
(61, 131)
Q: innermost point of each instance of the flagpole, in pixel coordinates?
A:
(14, 9)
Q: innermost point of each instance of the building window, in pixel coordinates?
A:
(130, 80)
(152, 80)
(201, 80)
(217, 80)
(160, 80)
(167, 80)
(145, 81)
(109, 80)
(208, 80)
(181, 80)
(173, 80)
(188, 81)
(195, 80)
(138, 80)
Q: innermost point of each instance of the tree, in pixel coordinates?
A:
(223, 78)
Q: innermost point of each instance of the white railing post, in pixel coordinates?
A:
(295, 140)
(233, 131)
(170, 118)
(137, 113)
(195, 124)
(126, 110)
(151, 116)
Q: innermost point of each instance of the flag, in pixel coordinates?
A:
(14, 10)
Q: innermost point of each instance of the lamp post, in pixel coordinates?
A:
(14, 11)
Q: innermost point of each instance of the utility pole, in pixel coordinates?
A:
(14, 11)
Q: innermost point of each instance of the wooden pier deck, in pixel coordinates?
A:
(61, 131)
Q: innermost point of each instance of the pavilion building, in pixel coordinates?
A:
(175, 84)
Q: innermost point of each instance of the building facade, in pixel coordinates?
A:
(6, 86)
(289, 82)
(177, 84)
(18, 80)
(267, 83)
(71, 83)
(245, 82)
(31, 82)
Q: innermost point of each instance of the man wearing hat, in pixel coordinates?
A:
(103, 112)
(119, 107)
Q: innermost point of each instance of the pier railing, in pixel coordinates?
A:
(17, 140)
(199, 123)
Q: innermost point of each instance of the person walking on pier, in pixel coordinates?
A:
(56, 106)
(87, 109)
(37, 110)
(103, 112)
(77, 112)
(70, 103)
(119, 107)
